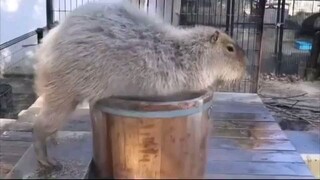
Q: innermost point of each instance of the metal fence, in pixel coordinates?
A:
(243, 20)
(6, 104)
(16, 54)
(284, 28)
(16, 65)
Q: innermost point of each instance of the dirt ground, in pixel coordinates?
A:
(294, 103)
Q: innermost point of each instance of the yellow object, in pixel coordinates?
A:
(313, 162)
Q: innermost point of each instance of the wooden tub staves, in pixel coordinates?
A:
(151, 139)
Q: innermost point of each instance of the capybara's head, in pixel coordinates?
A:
(222, 55)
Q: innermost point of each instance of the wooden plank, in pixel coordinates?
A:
(16, 136)
(118, 161)
(305, 142)
(241, 176)
(172, 137)
(250, 144)
(10, 158)
(236, 97)
(253, 155)
(10, 153)
(246, 125)
(249, 134)
(74, 153)
(258, 168)
(13, 146)
(149, 134)
(227, 116)
(237, 107)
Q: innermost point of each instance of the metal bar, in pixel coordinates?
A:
(293, 4)
(65, 8)
(17, 40)
(172, 8)
(156, 114)
(277, 28)
(49, 10)
(203, 14)
(39, 32)
(209, 15)
(228, 15)
(315, 51)
(197, 12)
(59, 10)
(262, 5)
(215, 12)
(221, 7)
(281, 36)
(164, 7)
(232, 17)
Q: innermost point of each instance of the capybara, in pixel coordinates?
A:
(114, 49)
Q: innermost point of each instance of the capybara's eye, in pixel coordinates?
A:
(230, 48)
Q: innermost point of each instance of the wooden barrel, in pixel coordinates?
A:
(136, 138)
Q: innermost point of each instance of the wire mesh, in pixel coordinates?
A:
(16, 55)
(6, 103)
(283, 56)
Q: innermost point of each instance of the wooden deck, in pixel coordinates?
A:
(245, 142)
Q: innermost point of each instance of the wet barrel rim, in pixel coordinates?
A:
(198, 102)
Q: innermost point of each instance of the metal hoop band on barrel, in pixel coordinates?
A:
(157, 114)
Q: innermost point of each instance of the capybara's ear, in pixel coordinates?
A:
(214, 37)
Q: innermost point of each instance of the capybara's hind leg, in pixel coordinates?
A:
(53, 138)
(52, 117)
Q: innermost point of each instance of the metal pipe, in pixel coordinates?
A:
(262, 5)
(39, 32)
(228, 15)
(277, 28)
(49, 11)
(232, 17)
(281, 35)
